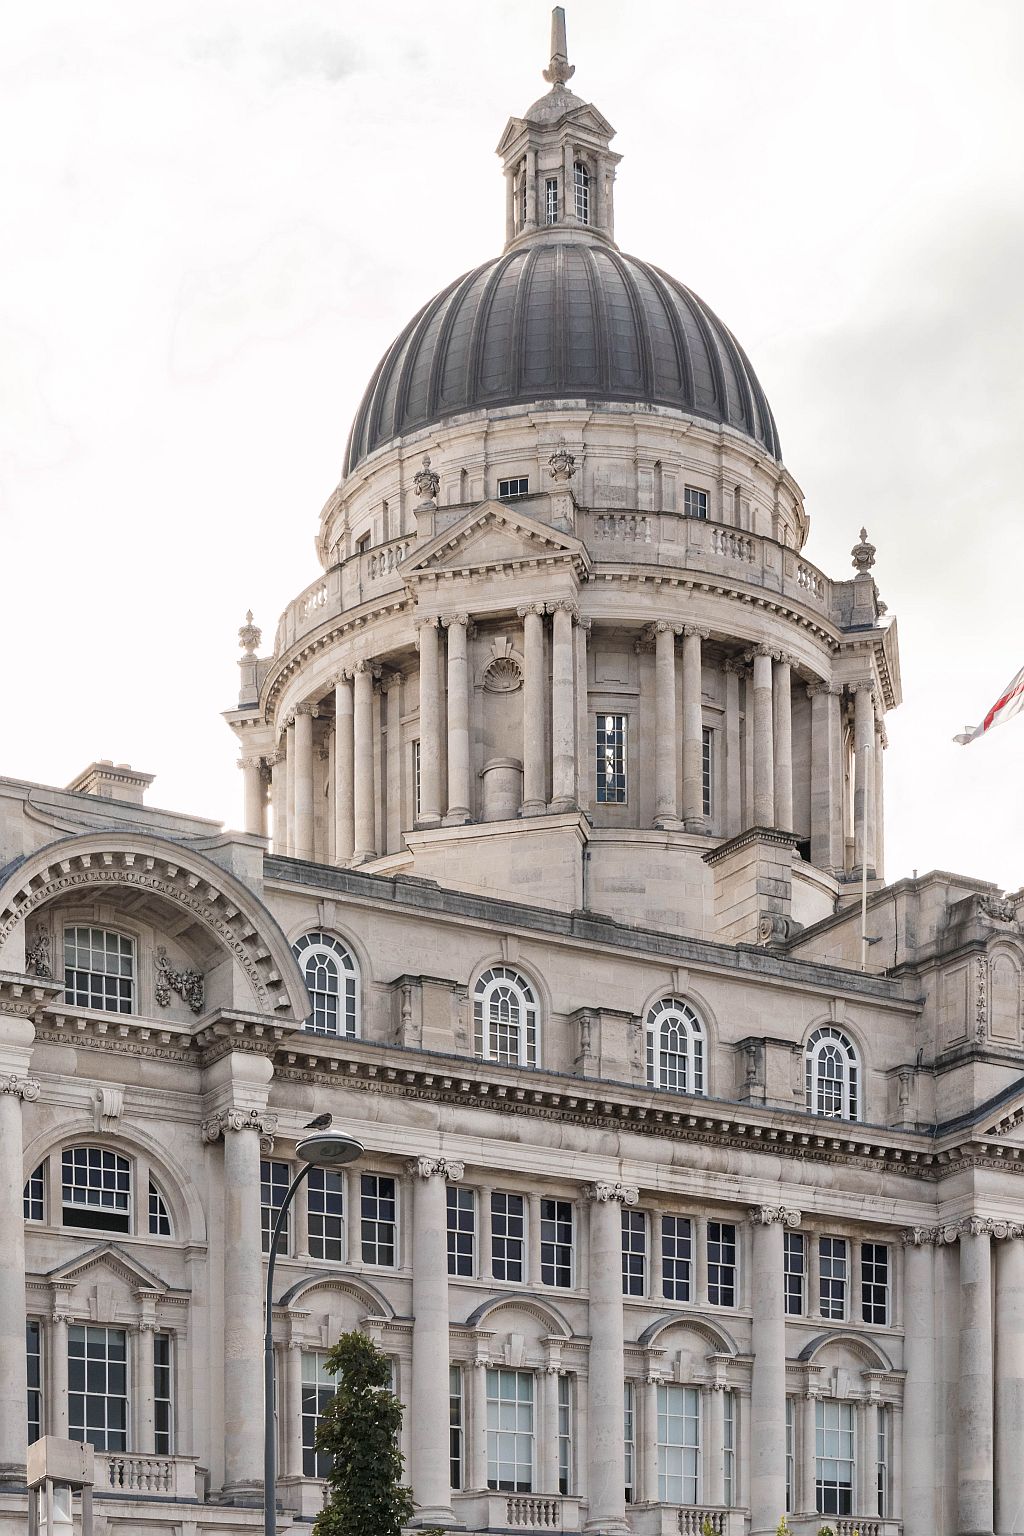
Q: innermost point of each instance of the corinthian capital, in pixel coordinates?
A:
(565, 605)
(525, 608)
(690, 630)
(307, 709)
(768, 1215)
(625, 1194)
(762, 650)
(442, 1167)
(21, 1087)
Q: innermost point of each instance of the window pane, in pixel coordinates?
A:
(556, 1240)
(318, 1387)
(510, 1444)
(611, 759)
(874, 1271)
(832, 1283)
(678, 1444)
(377, 1219)
(274, 1181)
(98, 1387)
(96, 1189)
(721, 1264)
(461, 1230)
(99, 969)
(634, 1253)
(676, 1257)
(793, 1250)
(325, 1214)
(508, 1236)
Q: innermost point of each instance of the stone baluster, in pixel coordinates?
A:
(302, 783)
(430, 1350)
(457, 625)
(344, 770)
(604, 1418)
(430, 724)
(975, 1501)
(1009, 1379)
(733, 668)
(920, 1475)
(666, 808)
(584, 743)
(255, 797)
(768, 1375)
(763, 737)
(864, 773)
(16, 1036)
(693, 730)
(364, 793)
(563, 706)
(783, 733)
(534, 776)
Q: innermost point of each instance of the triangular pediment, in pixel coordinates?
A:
(495, 536)
(114, 1260)
(582, 114)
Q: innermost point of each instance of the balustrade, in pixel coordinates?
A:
(141, 1475)
(531, 1513)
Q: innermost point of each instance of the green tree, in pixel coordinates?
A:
(359, 1429)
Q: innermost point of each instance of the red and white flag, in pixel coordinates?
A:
(1009, 703)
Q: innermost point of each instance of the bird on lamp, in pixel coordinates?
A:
(321, 1123)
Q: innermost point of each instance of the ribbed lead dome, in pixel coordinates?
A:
(558, 320)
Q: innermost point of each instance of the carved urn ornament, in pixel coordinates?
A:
(250, 635)
(562, 463)
(426, 483)
(863, 554)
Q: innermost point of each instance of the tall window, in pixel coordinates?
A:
(163, 1394)
(707, 770)
(676, 1257)
(505, 1018)
(794, 1271)
(461, 1230)
(325, 1214)
(832, 1277)
(834, 1466)
(675, 1047)
(510, 1431)
(566, 1415)
(884, 1428)
(695, 501)
(99, 969)
(34, 1363)
(581, 184)
(34, 1197)
(678, 1444)
(378, 1219)
(318, 1388)
(96, 1189)
(629, 1439)
(98, 1387)
(332, 982)
(456, 1427)
(611, 759)
(556, 1242)
(159, 1219)
(790, 1454)
(721, 1264)
(634, 1253)
(729, 1446)
(831, 1074)
(274, 1181)
(508, 1236)
(551, 200)
(416, 781)
(874, 1283)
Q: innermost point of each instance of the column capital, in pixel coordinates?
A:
(307, 709)
(863, 687)
(770, 651)
(565, 605)
(586, 625)
(698, 630)
(527, 608)
(819, 686)
(275, 758)
(625, 1194)
(460, 620)
(736, 664)
(661, 627)
(425, 621)
(786, 659)
(363, 665)
(389, 680)
(882, 734)
(920, 1237)
(240, 1120)
(251, 762)
(768, 1215)
(26, 1088)
(427, 1167)
(344, 676)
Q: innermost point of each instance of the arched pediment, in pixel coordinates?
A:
(865, 1349)
(367, 1296)
(536, 1306)
(714, 1336)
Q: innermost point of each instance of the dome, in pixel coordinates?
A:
(561, 319)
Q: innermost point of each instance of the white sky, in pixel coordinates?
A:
(218, 213)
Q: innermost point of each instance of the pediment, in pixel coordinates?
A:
(582, 114)
(113, 1260)
(495, 536)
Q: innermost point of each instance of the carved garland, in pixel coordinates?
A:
(187, 983)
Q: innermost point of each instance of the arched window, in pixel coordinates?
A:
(831, 1073)
(505, 1018)
(581, 183)
(332, 981)
(675, 1047)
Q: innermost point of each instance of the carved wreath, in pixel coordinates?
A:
(187, 983)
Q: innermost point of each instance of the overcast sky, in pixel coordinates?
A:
(218, 213)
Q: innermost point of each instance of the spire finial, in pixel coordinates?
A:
(559, 70)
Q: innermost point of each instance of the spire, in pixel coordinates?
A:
(559, 70)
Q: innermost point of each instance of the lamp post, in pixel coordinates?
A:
(325, 1149)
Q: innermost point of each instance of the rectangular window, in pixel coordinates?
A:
(416, 778)
(461, 1230)
(883, 1461)
(556, 1242)
(522, 199)
(634, 1253)
(98, 1387)
(274, 1181)
(35, 1194)
(510, 1431)
(163, 1399)
(707, 770)
(96, 1189)
(34, 1364)
(508, 1237)
(874, 1283)
(695, 501)
(729, 1446)
(833, 1469)
(678, 1445)
(629, 1438)
(611, 759)
(455, 1427)
(318, 1388)
(363, 543)
(721, 1264)
(99, 970)
(832, 1283)
(566, 1416)
(551, 200)
(794, 1270)
(790, 1454)
(581, 184)
(325, 1212)
(378, 1221)
(676, 1257)
(517, 485)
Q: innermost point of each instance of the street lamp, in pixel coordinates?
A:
(325, 1149)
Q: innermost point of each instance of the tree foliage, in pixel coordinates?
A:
(359, 1429)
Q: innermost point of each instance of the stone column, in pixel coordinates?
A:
(276, 762)
(145, 1388)
(563, 707)
(302, 786)
(837, 814)
(919, 1475)
(604, 1420)
(289, 785)
(714, 1493)
(878, 818)
(821, 776)
(733, 668)
(430, 1351)
(693, 731)
(16, 1036)
(534, 776)
(548, 1459)
(477, 1457)
(290, 1392)
(58, 1374)
(863, 796)
(584, 744)
(763, 738)
(344, 770)
(975, 1509)
(666, 736)
(457, 625)
(867, 1501)
(768, 1376)
(647, 1440)
(783, 710)
(430, 724)
(252, 780)
(362, 733)
(1009, 1380)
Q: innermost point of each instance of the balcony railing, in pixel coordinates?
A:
(519, 1511)
(141, 1477)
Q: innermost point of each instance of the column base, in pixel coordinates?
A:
(458, 816)
(533, 808)
(696, 824)
(561, 805)
(248, 1495)
(361, 856)
(428, 822)
(611, 1527)
(436, 1515)
(668, 822)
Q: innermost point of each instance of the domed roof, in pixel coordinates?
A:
(561, 320)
